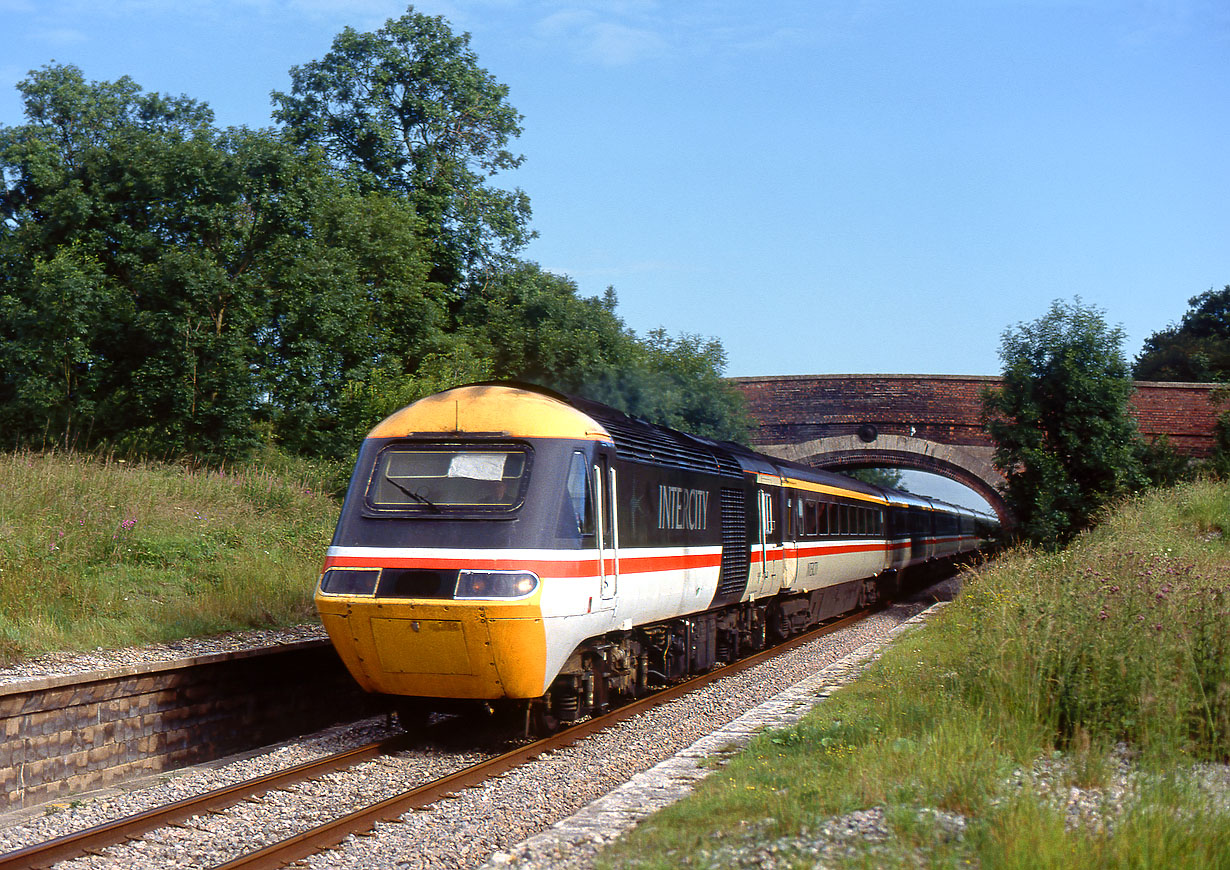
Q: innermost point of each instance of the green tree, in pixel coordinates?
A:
(113, 203)
(1060, 421)
(50, 364)
(349, 308)
(676, 382)
(888, 477)
(408, 109)
(192, 289)
(1196, 349)
(533, 326)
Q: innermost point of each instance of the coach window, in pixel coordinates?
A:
(579, 494)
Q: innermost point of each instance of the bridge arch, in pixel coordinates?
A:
(914, 421)
(965, 465)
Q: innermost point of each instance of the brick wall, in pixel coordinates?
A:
(1184, 413)
(60, 736)
(941, 408)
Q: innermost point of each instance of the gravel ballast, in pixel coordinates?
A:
(464, 831)
(558, 811)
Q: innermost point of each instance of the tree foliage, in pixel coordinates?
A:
(187, 286)
(1195, 349)
(886, 477)
(1063, 435)
(536, 327)
(407, 109)
(171, 287)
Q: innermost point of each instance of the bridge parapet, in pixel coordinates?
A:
(933, 422)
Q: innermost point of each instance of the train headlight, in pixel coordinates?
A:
(496, 584)
(350, 581)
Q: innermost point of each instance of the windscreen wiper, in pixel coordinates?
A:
(414, 495)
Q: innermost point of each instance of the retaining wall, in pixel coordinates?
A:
(60, 736)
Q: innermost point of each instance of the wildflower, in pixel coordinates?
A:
(1103, 614)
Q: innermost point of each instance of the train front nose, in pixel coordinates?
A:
(487, 642)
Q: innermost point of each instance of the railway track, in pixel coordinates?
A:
(329, 834)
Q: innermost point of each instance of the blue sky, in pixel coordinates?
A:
(825, 186)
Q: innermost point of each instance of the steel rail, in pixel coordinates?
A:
(330, 834)
(83, 842)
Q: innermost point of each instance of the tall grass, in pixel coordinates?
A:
(98, 551)
(999, 709)
(1123, 636)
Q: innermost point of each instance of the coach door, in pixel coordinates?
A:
(790, 541)
(766, 564)
(607, 489)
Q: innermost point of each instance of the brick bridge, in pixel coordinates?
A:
(930, 422)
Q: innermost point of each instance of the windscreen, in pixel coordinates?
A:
(448, 479)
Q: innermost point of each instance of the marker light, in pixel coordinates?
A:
(350, 581)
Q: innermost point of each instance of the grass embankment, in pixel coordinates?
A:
(971, 733)
(102, 552)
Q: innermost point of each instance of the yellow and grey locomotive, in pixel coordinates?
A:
(511, 545)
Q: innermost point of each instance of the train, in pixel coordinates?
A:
(506, 545)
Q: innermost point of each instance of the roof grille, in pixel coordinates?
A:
(642, 443)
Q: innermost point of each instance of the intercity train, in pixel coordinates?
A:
(512, 546)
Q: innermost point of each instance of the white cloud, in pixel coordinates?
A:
(624, 32)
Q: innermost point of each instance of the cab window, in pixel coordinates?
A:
(580, 493)
(448, 479)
